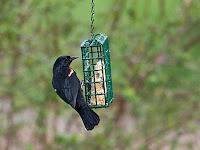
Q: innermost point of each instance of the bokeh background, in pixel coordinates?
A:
(155, 56)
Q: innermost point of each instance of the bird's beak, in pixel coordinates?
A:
(72, 58)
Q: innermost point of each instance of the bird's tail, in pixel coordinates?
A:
(89, 117)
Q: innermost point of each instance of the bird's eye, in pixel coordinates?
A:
(68, 57)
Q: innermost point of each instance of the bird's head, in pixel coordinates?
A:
(64, 61)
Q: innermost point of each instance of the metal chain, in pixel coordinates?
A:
(92, 19)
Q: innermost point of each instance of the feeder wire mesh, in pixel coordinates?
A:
(97, 71)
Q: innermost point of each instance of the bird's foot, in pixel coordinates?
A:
(82, 83)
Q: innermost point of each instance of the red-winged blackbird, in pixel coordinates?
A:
(68, 87)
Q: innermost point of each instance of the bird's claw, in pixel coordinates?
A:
(82, 83)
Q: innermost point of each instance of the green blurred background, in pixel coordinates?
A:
(155, 56)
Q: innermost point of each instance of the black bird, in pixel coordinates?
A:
(68, 87)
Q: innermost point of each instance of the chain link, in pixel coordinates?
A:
(92, 19)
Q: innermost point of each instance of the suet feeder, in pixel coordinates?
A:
(97, 71)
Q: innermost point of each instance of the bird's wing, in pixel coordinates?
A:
(57, 85)
(67, 88)
(71, 89)
(62, 88)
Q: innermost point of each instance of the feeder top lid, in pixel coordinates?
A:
(96, 41)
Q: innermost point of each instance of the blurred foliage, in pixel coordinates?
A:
(155, 67)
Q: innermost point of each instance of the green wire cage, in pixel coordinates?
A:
(97, 71)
